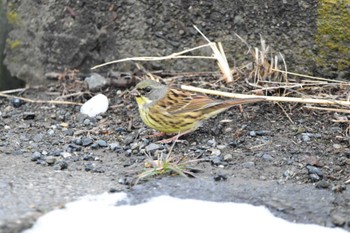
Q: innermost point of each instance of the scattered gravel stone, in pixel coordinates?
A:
(337, 146)
(55, 153)
(73, 148)
(249, 164)
(221, 147)
(339, 188)
(35, 156)
(322, 185)
(65, 154)
(114, 146)
(262, 132)
(338, 220)
(314, 170)
(215, 152)
(50, 160)
(233, 143)
(314, 177)
(102, 143)
(89, 166)
(228, 157)
(307, 136)
(88, 157)
(87, 122)
(153, 147)
(96, 82)
(125, 180)
(68, 132)
(16, 102)
(38, 137)
(120, 130)
(51, 132)
(216, 160)
(252, 133)
(86, 141)
(96, 105)
(220, 177)
(78, 141)
(28, 115)
(60, 165)
(212, 142)
(129, 139)
(266, 157)
(94, 146)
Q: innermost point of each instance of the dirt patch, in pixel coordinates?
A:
(287, 160)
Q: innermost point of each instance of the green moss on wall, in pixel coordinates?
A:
(333, 34)
(13, 44)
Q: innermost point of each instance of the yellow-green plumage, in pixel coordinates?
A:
(171, 110)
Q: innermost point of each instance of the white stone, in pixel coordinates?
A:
(94, 106)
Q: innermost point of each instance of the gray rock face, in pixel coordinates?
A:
(56, 35)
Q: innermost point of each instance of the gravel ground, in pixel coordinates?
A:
(50, 154)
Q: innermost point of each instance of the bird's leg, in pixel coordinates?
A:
(155, 135)
(175, 138)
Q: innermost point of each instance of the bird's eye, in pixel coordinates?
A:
(147, 89)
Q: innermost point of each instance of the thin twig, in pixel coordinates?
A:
(329, 109)
(308, 76)
(267, 98)
(40, 101)
(13, 91)
(285, 112)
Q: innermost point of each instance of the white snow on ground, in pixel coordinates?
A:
(165, 214)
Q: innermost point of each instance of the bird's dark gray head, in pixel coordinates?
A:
(150, 89)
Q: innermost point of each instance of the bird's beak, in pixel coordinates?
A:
(135, 92)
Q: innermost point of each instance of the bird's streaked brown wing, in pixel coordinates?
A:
(178, 101)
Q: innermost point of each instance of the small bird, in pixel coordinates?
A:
(171, 110)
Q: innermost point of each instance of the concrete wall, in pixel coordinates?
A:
(53, 35)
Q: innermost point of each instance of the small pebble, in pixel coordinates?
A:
(89, 166)
(221, 147)
(249, 164)
(28, 115)
(129, 139)
(73, 147)
(87, 122)
(338, 220)
(16, 102)
(314, 170)
(102, 143)
(114, 146)
(50, 160)
(35, 156)
(228, 157)
(152, 147)
(216, 160)
(215, 152)
(267, 157)
(60, 165)
(212, 142)
(314, 177)
(252, 133)
(94, 146)
(65, 154)
(220, 177)
(262, 132)
(78, 141)
(86, 141)
(94, 106)
(322, 185)
(51, 132)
